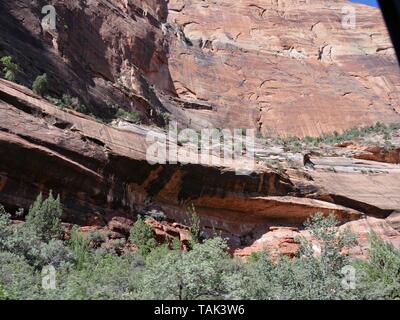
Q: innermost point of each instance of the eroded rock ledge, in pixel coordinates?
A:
(101, 173)
(180, 60)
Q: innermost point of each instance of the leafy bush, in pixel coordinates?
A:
(198, 274)
(331, 243)
(310, 276)
(380, 274)
(68, 101)
(143, 236)
(10, 69)
(118, 244)
(41, 85)
(107, 276)
(45, 217)
(54, 253)
(17, 278)
(194, 223)
(19, 239)
(5, 222)
(275, 164)
(296, 144)
(80, 248)
(176, 244)
(24, 242)
(96, 237)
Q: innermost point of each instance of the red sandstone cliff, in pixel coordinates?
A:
(275, 66)
(282, 67)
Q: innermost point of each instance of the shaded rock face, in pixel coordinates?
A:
(109, 53)
(281, 67)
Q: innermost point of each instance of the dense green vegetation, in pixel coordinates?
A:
(85, 270)
(142, 235)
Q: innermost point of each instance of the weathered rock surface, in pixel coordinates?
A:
(277, 66)
(279, 240)
(104, 178)
(384, 228)
(100, 170)
(380, 154)
(286, 241)
(289, 68)
(109, 53)
(283, 66)
(367, 186)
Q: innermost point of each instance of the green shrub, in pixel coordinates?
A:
(5, 229)
(176, 244)
(54, 253)
(44, 217)
(10, 69)
(107, 276)
(80, 248)
(309, 276)
(118, 244)
(205, 272)
(332, 243)
(41, 85)
(380, 274)
(5, 220)
(275, 164)
(143, 236)
(96, 237)
(296, 144)
(24, 242)
(198, 274)
(69, 102)
(194, 223)
(312, 141)
(18, 280)
(19, 239)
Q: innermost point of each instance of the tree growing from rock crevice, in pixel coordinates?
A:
(41, 85)
(143, 236)
(10, 69)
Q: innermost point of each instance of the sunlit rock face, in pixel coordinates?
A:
(281, 67)
(284, 67)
